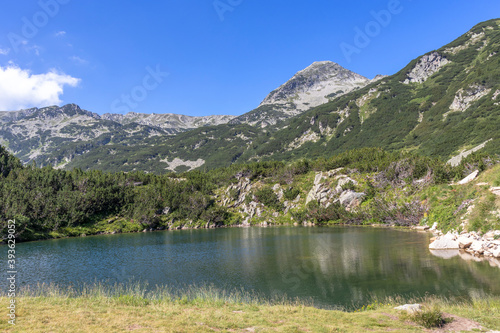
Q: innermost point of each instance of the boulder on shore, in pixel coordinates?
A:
(446, 242)
(464, 242)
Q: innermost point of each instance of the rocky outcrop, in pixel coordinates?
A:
(324, 194)
(320, 192)
(236, 194)
(487, 245)
(308, 136)
(465, 97)
(351, 199)
(473, 243)
(426, 67)
(379, 77)
(474, 38)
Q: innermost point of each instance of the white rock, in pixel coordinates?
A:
(443, 243)
(348, 197)
(477, 246)
(464, 241)
(451, 235)
(426, 67)
(410, 308)
(489, 235)
(318, 178)
(469, 178)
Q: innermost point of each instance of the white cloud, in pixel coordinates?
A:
(21, 89)
(78, 60)
(60, 33)
(4, 51)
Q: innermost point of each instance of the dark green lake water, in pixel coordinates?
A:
(331, 266)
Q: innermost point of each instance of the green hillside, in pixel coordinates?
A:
(440, 104)
(388, 114)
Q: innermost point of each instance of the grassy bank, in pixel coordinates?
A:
(118, 309)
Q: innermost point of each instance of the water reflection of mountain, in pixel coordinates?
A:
(329, 265)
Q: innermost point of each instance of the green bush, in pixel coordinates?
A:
(349, 186)
(268, 198)
(427, 317)
(291, 193)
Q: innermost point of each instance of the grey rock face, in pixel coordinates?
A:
(464, 98)
(311, 86)
(426, 67)
(350, 198)
(37, 132)
(170, 121)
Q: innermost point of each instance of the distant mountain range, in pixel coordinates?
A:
(441, 104)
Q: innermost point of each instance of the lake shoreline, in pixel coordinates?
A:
(48, 236)
(48, 309)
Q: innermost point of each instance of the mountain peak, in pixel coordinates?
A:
(313, 85)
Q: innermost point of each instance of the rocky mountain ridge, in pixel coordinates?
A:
(313, 86)
(168, 121)
(443, 103)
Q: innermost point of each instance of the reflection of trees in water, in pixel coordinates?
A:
(353, 263)
(332, 265)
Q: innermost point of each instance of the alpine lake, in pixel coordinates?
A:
(328, 266)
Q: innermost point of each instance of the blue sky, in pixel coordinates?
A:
(203, 57)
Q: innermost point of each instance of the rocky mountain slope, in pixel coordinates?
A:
(173, 123)
(444, 103)
(57, 135)
(313, 86)
(34, 134)
(440, 104)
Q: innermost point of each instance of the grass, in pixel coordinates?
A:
(429, 317)
(98, 308)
